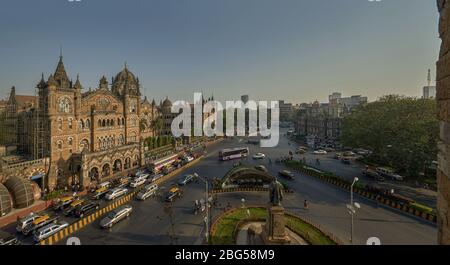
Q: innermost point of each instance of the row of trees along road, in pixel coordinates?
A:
(401, 131)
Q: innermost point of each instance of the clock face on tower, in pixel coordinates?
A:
(64, 104)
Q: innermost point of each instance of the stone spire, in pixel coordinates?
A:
(78, 83)
(60, 74)
(42, 82)
(103, 83)
(12, 94)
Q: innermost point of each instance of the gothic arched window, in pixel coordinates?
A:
(59, 144)
(60, 124)
(70, 123)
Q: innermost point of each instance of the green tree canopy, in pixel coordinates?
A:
(402, 132)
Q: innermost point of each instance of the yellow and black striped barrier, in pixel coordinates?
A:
(393, 204)
(74, 227)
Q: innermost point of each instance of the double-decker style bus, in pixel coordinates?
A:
(159, 165)
(233, 153)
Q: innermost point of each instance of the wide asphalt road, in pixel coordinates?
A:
(151, 221)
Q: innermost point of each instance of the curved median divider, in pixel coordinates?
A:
(238, 190)
(257, 189)
(414, 209)
(226, 226)
(78, 225)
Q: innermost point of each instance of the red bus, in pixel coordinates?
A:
(158, 165)
(233, 153)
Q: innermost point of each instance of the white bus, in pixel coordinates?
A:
(159, 165)
(233, 153)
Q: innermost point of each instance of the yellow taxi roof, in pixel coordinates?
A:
(100, 189)
(67, 198)
(76, 202)
(174, 189)
(41, 219)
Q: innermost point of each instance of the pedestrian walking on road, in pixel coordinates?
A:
(305, 204)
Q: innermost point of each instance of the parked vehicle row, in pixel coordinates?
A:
(44, 225)
(38, 222)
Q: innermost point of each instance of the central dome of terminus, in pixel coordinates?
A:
(125, 83)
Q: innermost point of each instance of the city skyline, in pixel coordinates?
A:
(229, 49)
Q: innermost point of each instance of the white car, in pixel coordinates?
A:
(259, 156)
(320, 152)
(115, 193)
(188, 159)
(142, 175)
(155, 178)
(115, 216)
(137, 182)
(148, 191)
(49, 230)
(396, 177)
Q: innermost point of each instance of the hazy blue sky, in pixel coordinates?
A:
(298, 50)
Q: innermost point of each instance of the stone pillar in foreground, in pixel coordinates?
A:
(443, 97)
(274, 231)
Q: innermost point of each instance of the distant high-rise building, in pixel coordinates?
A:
(429, 91)
(334, 97)
(348, 102)
(322, 122)
(286, 110)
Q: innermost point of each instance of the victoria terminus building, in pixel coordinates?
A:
(71, 135)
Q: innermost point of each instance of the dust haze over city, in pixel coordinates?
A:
(237, 123)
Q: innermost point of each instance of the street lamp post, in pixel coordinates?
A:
(352, 209)
(207, 208)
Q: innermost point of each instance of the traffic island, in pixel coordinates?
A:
(244, 226)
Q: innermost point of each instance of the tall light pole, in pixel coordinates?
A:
(352, 208)
(207, 207)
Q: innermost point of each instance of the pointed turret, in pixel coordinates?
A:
(78, 83)
(103, 83)
(12, 94)
(41, 83)
(60, 74)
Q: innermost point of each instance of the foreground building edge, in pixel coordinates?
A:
(443, 97)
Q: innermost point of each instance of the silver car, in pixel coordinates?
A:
(26, 221)
(115, 216)
(115, 193)
(49, 230)
(148, 191)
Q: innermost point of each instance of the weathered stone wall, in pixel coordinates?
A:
(443, 97)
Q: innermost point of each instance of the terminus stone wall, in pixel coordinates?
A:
(443, 97)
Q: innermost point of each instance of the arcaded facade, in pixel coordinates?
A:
(88, 136)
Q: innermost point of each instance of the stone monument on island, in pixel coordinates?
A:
(274, 231)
